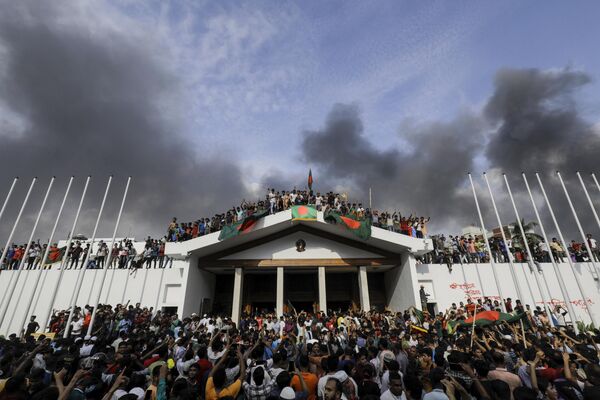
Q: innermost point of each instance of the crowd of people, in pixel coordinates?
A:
(276, 201)
(467, 249)
(139, 353)
(124, 255)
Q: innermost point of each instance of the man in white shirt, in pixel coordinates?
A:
(395, 391)
(76, 325)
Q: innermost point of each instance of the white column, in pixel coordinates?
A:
(363, 288)
(279, 292)
(322, 290)
(238, 290)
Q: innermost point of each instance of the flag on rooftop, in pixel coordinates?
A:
(304, 213)
(243, 226)
(361, 228)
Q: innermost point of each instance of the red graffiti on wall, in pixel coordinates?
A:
(580, 303)
(469, 290)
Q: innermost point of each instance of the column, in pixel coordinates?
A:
(238, 290)
(363, 287)
(279, 299)
(322, 290)
(402, 285)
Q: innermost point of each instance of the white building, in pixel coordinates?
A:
(264, 269)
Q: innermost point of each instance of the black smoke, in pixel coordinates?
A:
(100, 101)
(531, 122)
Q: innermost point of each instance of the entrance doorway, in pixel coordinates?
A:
(259, 292)
(301, 289)
(223, 294)
(342, 290)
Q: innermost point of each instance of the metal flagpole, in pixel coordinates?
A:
(83, 269)
(22, 264)
(48, 314)
(8, 196)
(12, 232)
(2, 213)
(562, 239)
(587, 195)
(11, 290)
(596, 181)
(45, 257)
(511, 266)
(585, 242)
(561, 282)
(108, 261)
(127, 281)
(39, 292)
(112, 276)
(487, 245)
(113, 240)
(527, 249)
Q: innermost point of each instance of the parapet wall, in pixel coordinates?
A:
(447, 287)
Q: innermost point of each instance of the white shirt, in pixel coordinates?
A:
(76, 327)
(387, 395)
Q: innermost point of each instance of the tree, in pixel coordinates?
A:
(531, 236)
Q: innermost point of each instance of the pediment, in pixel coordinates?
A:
(317, 247)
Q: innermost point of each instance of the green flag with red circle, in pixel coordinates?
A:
(304, 213)
(361, 228)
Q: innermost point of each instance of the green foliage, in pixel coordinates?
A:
(582, 327)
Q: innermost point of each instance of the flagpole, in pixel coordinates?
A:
(45, 257)
(12, 232)
(83, 269)
(587, 195)
(585, 242)
(8, 196)
(511, 266)
(370, 200)
(8, 241)
(561, 282)
(508, 252)
(473, 327)
(62, 267)
(111, 244)
(562, 239)
(523, 332)
(527, 249)
(596, 181)
(11, 290)
(109, 260)
(487, 244)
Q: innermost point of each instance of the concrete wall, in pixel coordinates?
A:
(401, 284)
(464, 281)
(153, 288)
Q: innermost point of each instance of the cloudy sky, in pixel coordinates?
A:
(206, 103)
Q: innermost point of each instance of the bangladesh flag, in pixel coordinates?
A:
(362, 229)
(418, 314)
(485, 318)
(55, 254)
(243, 226)
(304, 213)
